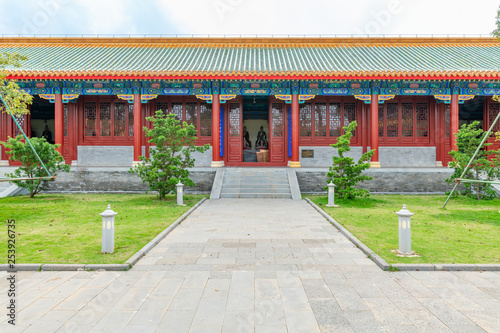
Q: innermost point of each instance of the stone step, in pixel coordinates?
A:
(286, 186)
(255, 190)
(256, 195)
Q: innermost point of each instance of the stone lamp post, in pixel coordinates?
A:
(331, 195)
(108, 230)
(405, 231)
(180, 194)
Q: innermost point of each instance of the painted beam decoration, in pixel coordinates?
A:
(255, 87)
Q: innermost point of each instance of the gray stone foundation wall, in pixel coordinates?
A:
(390, 157)
(390, 180)
(123, 156)
(81, 179)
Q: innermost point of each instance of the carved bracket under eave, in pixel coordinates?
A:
(447, 98)
(66, 97)
(368, 98)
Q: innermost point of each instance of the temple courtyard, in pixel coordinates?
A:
(255, 265)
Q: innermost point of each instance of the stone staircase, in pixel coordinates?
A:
(256, 183)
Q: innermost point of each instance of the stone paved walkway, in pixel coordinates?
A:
(256, 266)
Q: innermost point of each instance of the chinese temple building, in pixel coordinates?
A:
(289, 96)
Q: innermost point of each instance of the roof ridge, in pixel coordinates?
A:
(247, 42)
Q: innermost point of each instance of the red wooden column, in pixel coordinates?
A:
(59, 122)
(295, 163)
(374, 130)
(137, 128)
(454, 121)
(216, 162)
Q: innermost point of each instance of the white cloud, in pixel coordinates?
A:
(248, 17)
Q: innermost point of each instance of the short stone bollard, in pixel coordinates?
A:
(331, 195)
(108, 230)
(180, 194)
(405, 231)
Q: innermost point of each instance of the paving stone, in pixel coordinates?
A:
(279, 267)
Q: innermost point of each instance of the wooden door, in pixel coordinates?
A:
(234, 132)
(277, 132)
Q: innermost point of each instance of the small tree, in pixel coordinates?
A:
(345, 173)
(484, 167)
(15, 98)
(171, 158)
(19, 150)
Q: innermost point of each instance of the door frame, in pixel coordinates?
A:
(239, 99)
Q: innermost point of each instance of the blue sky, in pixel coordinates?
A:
(247, 17)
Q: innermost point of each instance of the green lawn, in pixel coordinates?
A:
(66, 228)
(466, 231)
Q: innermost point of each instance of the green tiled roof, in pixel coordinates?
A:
(336, 58)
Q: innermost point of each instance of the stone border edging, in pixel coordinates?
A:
(107, 267)
(402, 267)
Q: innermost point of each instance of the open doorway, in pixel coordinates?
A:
(42, 119)
(255, 129)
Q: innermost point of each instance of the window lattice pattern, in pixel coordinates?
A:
(131, 120)
(493, 110)
(349, 115)
(305, 120)
(162, 106)
(392, 120)
(21, 119)
(407, 120)
(380, 120)
(234, 120)
(205, 120)
(65, 108)
(105, 118)
(447, 120)
(120, 117)
(191, 114)
(277, 124)
(320, 119)
(422, 120)
(177, 110)
(90, 118)
(335, 125)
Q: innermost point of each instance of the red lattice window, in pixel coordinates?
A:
(205, 120)
(380, 120)
(392, 120)
(177, 110)
(305, 120)
(108, 122)
(404, 122)
(162, 106)
(320, 119)
(277, 123)
(131, 120)
(192, 114)
(407, 120)
(21, 119)
(447, 120)
(105, 118)
(493, 110)
(335, 120)
(422, 120)
(90, 118)
(65, 109)
(234, 119)
(349, 115)
(120, 119)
